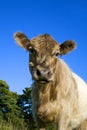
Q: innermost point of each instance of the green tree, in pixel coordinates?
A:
(25, 103)
(9, 109)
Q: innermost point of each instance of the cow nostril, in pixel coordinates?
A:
(48, 73)
(38, 72)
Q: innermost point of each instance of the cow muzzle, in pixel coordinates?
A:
(42, 75)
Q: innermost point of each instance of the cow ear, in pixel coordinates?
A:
(22, 40)
(67, 46)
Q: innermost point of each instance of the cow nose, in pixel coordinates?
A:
(43, 72)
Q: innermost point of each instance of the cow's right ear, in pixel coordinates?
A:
(22, 40)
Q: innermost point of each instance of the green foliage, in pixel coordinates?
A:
(9, 126)
(25, 103)
(9, 110)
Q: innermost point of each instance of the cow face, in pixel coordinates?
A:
(43, 52)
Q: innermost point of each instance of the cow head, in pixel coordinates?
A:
(43, 52)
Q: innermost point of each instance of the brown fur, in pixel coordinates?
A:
(57, 100)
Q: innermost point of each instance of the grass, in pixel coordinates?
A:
(9, 126)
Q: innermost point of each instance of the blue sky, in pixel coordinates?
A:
(62, 19)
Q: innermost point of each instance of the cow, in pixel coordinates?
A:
(58, 94)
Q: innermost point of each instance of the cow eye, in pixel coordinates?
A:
(31, 50)
(57, 53)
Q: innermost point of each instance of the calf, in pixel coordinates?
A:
(58, 94)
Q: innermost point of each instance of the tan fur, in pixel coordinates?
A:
(59, 99)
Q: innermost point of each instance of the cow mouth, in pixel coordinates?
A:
(44, 81)
(41, 81)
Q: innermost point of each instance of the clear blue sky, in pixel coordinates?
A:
(63, 19)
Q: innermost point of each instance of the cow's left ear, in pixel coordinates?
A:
(67, 46)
